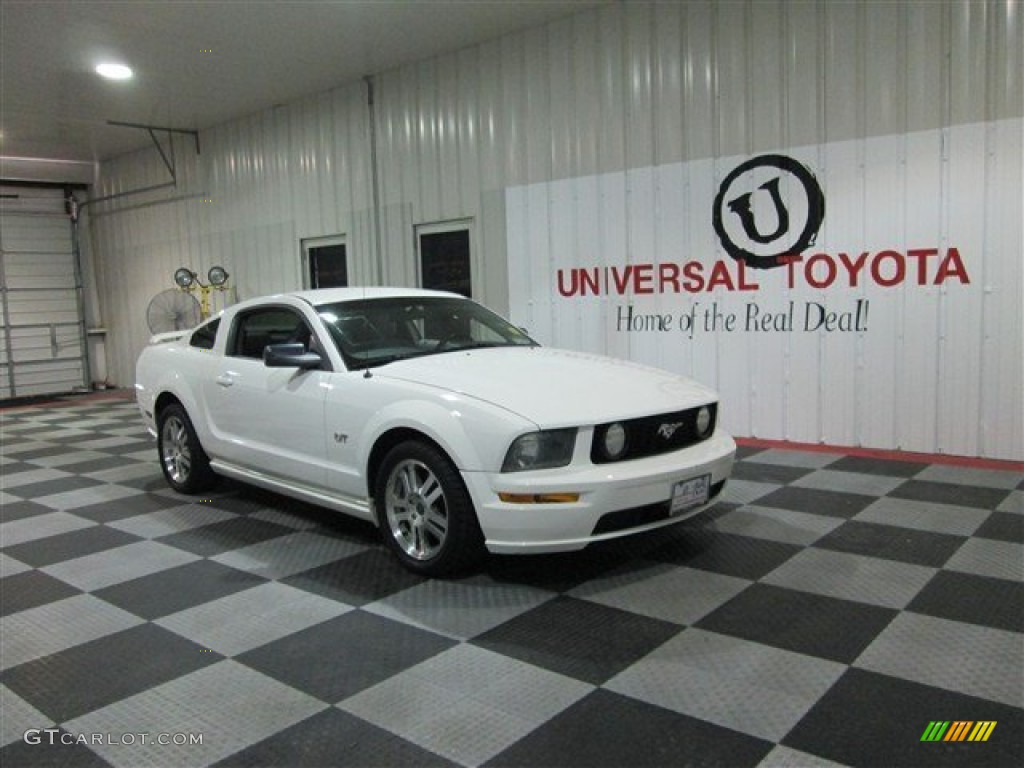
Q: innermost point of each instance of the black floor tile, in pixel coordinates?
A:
(606, 730)
(725, 553)
(973, 599)
(948, 493)
(767, 473)
(558, 572)
(13, 466)
(30, 589)
(211, 540)
(45, 452)
(816, 502)
(744, 452)
(867, 719)
(130, 506)
(19, 510)
(95, 465)
(360, 650)
(86, 677)
(892, 543)
(799, 621)
(356, 580)
(177, 589)
(869, 466)
(1004, 526)
(577, 638)
(67, 546)
(50, 752)
(60, 485)
(333, 738)
(245, 500)
(133, 447)
(150, 484)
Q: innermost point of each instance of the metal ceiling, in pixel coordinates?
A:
(198, 64)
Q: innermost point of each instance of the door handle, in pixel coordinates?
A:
(225, 380)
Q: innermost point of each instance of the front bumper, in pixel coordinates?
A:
(640, 485)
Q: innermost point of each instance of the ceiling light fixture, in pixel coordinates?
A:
(113, 71)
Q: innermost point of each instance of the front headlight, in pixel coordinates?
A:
(540, 450)
(703, 421)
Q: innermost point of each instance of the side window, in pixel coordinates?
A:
(204, 336)
(273, 325)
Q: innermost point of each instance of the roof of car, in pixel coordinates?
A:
(332, 295)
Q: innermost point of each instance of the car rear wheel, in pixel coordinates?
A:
(185, 464)
(425, 513)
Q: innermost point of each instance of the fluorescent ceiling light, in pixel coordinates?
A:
(113, 71)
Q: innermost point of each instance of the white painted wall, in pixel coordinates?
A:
(635, 89)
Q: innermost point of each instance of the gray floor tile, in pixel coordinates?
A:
(466, 704)
(459, 609)
(987, 478)
(12, 480)
(40, 527)
(248, 619)
(57, 626)
(229, 705)
(746, 491)
(114, 566)
(746, 686)
(787, 757)
(125, 471)
(85, 497)
(849, 482)
(9, 566)
(1013, 503)
(164, 522)
(852, 577)
(18, 717)
(786, 458)
(979, 661)
(289, 554)
(924, 516)
(773, 524)
(67, 459)
(987, 557)
(672, 593)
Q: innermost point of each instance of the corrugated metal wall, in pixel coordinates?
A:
(257, 187)
(626, 87)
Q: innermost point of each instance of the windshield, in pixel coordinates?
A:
(373, 332)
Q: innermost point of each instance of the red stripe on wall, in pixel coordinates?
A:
(875, 453)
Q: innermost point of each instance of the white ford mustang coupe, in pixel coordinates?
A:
(433, 417)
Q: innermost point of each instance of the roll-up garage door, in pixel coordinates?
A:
(42, 336)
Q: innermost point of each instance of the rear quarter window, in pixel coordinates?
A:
(204, 336)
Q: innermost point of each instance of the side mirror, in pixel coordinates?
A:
(293, 355)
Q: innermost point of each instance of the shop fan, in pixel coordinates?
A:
(173, 310)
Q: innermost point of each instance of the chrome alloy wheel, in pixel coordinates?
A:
(416, 509)
(174, 452)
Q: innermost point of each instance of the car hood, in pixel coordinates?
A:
(554, 387)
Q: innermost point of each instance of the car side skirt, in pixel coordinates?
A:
(350, 506)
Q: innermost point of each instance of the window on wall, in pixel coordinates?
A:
(325, 262)
(445, 257)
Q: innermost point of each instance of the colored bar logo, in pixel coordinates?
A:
(958, 730)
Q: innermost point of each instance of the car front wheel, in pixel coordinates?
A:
(185, 465)
(425, 512)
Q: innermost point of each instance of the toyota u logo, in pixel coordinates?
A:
(767, 209)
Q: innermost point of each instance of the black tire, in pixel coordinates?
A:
(185, 465)
(425, 513)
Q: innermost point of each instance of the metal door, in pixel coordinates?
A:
(42, 333)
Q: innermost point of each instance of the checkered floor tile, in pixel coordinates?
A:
(824, 612)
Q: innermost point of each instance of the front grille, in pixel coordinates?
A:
(636, 517)
(654, 435)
